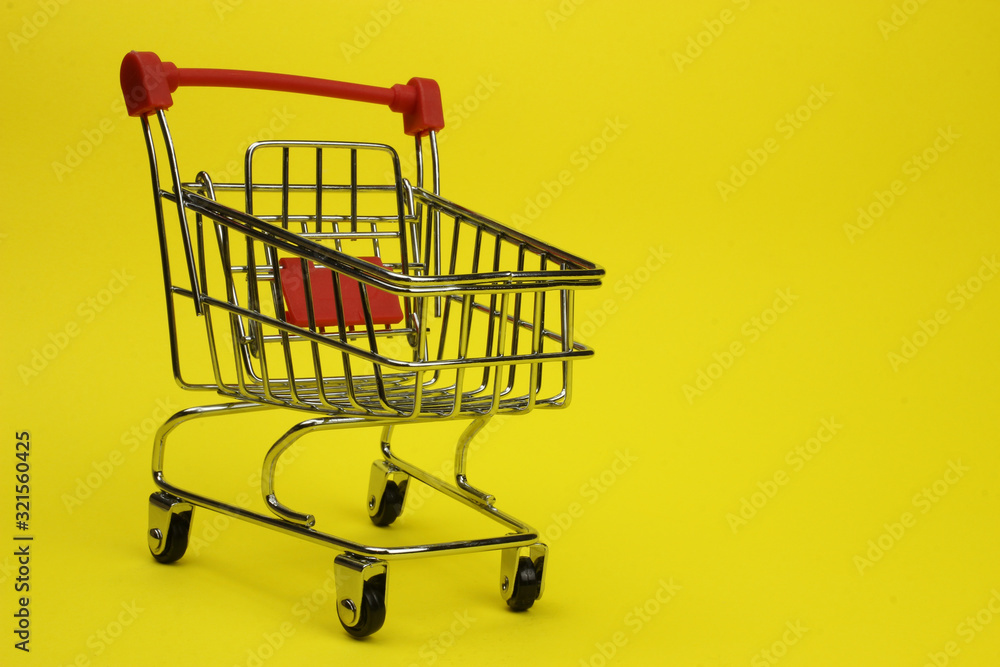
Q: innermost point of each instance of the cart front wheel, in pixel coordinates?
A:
(169, 526)
(390, 506)
(371, 615)
(527, 585)
(386, 492)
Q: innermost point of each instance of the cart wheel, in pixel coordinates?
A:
(527, 585)
(169, 525)
(371, 616)
(389, 507)
(386, 492)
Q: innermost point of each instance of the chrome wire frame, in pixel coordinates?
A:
(511, 295)
(301, 525)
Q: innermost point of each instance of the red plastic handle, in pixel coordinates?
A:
(147, 84)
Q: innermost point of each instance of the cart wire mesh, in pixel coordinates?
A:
(429, 309)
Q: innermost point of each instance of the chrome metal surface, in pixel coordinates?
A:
(509, 560)
(160, 512)
(350, 574)
(487, 325)
(523, 534)
(382, 473)
(461, 457)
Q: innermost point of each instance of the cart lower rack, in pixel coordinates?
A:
(327, 283)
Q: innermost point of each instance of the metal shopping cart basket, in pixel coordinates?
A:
(443, 314)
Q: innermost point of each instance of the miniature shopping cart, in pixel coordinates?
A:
(327, 283)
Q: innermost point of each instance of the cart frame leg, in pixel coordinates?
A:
(461, 460)
(280, 447)
(523, 535)
(461, 491)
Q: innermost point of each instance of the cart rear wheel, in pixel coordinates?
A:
(527, 585)
(390, 506)
(168, 537)
(371, 615)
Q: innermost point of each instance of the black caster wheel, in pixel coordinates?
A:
(169, 526)
(527, 585)
(371, 615)
(389, 506)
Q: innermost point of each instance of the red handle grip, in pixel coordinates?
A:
(147, 84)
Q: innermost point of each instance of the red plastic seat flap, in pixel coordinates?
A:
(385, 307)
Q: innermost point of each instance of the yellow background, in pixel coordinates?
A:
(557, 80)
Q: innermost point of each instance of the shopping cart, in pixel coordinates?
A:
(327, 283)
